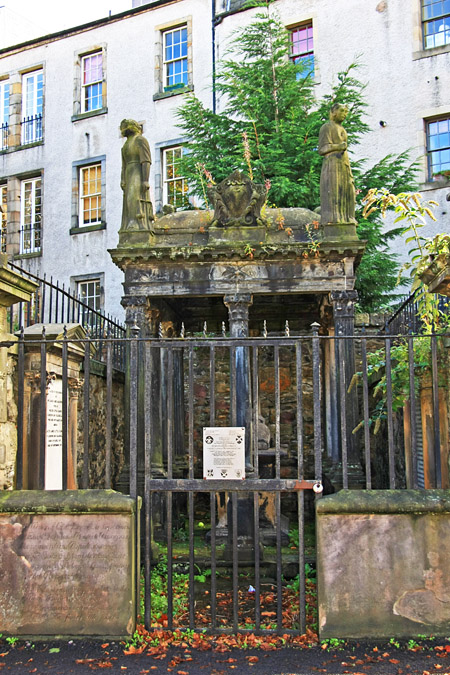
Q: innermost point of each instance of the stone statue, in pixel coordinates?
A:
(237, 201)
(137, 210)
(337, 188)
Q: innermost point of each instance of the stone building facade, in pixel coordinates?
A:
(63, 97)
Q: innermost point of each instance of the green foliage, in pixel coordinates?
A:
(413, 212)
(333, 643)
(271, 100)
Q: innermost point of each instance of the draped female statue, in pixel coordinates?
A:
(337, 189)
(137, 210)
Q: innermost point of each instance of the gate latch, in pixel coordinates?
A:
(316, 486)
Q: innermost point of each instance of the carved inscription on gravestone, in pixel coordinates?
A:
(53, 437)
(66, 574)
(224, 452)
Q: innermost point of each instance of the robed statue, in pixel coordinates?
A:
(337, 188)
(137, 210)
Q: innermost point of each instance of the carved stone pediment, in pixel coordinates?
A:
(237, 201)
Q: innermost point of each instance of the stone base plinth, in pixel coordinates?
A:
(383, 560)
(233, 234)
(339, 231)
(135, 237)
(68, 563)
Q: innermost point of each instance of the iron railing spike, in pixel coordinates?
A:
(160, 330)
(224, 329)
(65, 332)
(205, 329)
(264, 332)
(182, 331)
(286, 329)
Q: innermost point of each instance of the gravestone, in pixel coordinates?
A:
(68, 563)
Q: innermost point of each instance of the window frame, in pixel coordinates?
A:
(433, 177)
(162, 87)
(309, 53)
(97, 296)
(77, 225)
(32, 112)
(86, 97)
(166, 181)
(79, 103)
(89, 196)
(430, 20)
(35, 246)
(78, 280)
(5, 93)
(169, 83)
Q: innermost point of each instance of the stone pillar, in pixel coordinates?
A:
(241, 415)
(238, 307)
(43, 465)
(13, 288)
(343, 304)
(139, 312)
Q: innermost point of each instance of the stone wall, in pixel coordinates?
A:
(97, 426)
(383, 563)
(8, 419)
(68, 561)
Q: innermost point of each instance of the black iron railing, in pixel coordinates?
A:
(53, 303)
(3, 136)
(295, 385)
(30, 238)
(32, 131)
(406, 319)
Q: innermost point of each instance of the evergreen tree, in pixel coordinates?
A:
(269, 128)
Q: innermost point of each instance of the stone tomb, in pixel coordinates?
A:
(384, 563)
(68, 564)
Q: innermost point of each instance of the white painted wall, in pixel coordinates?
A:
(401, 89)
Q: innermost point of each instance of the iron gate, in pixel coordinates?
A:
(238, 580)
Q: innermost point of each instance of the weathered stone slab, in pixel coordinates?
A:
(384, 563)
(67, 563)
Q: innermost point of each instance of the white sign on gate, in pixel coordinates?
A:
(224, 453)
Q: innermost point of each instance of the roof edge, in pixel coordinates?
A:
(66, 32)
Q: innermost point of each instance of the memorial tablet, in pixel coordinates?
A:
(224, 453)
(53, 436)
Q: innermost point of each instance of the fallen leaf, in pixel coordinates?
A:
(105, 645)
(54, 650)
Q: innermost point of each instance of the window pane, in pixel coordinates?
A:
(90, 195)
(438, 144)
(175, 57)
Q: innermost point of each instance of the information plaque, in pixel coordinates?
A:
(224, 453)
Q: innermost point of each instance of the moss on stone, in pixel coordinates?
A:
(65, 501)
(385, 501)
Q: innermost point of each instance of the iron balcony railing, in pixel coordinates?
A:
(32, 131)
(406, 319)
(53, 303)
(3, 136)
(30, 238)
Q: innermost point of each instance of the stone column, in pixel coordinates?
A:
(238, 306)
(241, 415)
(140, 312)
(343, 304)
(75, 387)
